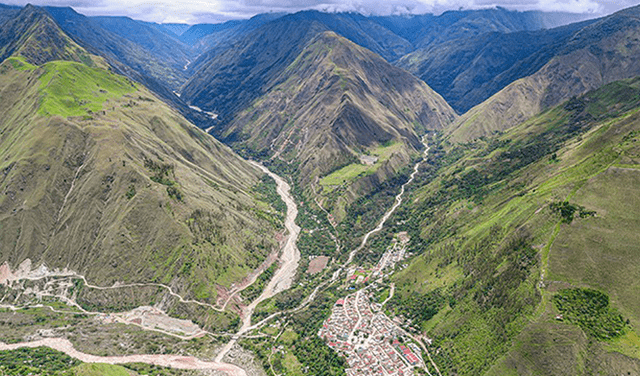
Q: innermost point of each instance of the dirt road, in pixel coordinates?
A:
(389, 212)
(173, 361)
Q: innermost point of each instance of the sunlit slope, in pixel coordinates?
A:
(101, 177)
(510, 223)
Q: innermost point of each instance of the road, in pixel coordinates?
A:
(281, 280)
(389, 212)
(173, 361)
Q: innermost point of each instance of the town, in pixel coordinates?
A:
(371, 343)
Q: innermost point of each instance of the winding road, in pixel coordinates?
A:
(173, 361)
(282, 280)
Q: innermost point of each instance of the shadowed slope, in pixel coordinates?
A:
(600, 53)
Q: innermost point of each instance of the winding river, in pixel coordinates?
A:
(289, 259)
(281, 280)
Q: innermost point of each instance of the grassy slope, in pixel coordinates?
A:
(65, 124)
(500, 191)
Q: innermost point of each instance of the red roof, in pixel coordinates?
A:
(340, 302)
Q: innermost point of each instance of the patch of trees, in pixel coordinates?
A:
(266, 190)
(38, 361)
(568, 211)
(318, 358)
(419, 308)
(162, 174)
(590, 310)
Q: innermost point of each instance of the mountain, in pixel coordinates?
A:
(467, 71)
(157, 69)
(235, 77)
(527, 241)
(424, 31)
(260, 56)
(333, 106)
(173, 29)
(601, 52)
(34, 36)
(163, 46)
(7, 12)
(101, 177)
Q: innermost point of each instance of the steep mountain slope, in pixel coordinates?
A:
(335, 103)
(600, 53)
(232, 79)
(101, 177)
(160, 70)
(426, 30)
(33, 35)
(159, 43)
(208, 39)
(195, 33)
(7, 12)
(467, 71)
(173, 29)
(515, 232)
(227, 81)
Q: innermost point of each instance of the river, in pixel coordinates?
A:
(289, 259)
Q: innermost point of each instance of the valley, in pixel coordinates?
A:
(320, 193)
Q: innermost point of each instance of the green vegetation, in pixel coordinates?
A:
(73, 89)
(485, 243)
(100, 369)
(567, 211)
(152, 370)
(40, 361)
(351, 172)
(131, 192)
(267, 192)
(163, 174)
(20, 63)
(301, 346)
(253, 291)
(590, 310)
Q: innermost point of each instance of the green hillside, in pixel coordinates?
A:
(101, 177)
(512, 226)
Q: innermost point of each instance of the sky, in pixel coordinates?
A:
(214, 11)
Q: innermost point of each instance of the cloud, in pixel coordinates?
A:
(194, 11)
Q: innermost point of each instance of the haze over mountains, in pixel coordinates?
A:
(125, 148)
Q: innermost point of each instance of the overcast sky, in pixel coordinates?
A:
(198, 11)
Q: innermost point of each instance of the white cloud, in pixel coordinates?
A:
(193, 11)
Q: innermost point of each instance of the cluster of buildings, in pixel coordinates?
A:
(369, 341)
